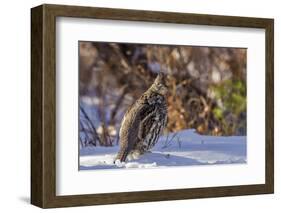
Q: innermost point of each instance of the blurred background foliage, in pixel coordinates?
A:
(207, 87)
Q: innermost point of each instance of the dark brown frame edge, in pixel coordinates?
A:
(43, 105)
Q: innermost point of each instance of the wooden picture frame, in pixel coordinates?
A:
(43, 105)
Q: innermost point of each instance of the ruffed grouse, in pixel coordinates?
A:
(144, 121)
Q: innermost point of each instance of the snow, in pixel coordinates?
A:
(185, 148)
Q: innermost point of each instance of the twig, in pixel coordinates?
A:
(169, 143)
(95, 134)
(179, 142)
(85, 131)
(118, 104)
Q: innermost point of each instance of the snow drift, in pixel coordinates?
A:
(183, 148)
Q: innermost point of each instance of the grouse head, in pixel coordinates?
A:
(159, 85)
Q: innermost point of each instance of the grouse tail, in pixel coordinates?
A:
(122, 155)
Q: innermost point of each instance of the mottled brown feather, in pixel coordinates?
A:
(144, 121)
